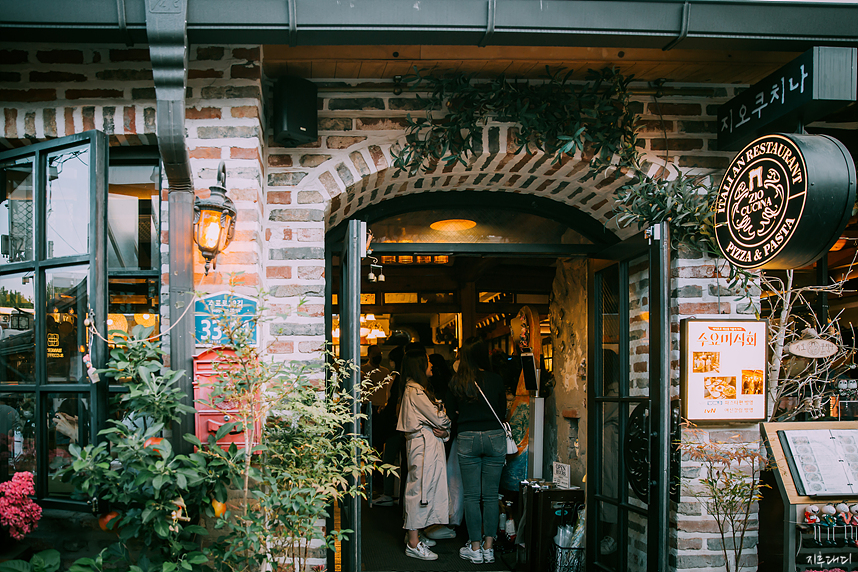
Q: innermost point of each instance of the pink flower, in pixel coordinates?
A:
(18, 512)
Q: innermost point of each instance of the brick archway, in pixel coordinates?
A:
(367, 177)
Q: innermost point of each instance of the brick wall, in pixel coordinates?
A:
(700, 288)
(47, 92)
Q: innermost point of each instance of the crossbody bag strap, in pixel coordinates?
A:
(490, 406)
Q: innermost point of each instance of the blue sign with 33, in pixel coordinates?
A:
(208, 330)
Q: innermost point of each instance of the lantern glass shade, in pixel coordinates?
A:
(210, 235)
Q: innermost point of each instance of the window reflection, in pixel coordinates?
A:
(66, 296)
(133, 302)
(67, 205)
(17, 329)
(16, 211)
(17, 434)
(132, 217)
(67, 417)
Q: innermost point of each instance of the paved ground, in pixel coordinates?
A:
(384, 550)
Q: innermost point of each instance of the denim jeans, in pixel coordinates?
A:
(482, 455)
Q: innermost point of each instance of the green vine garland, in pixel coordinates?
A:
(561, 119)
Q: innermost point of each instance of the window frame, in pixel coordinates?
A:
(96, 262)
(148, 156)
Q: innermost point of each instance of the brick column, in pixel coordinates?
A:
(700, 290)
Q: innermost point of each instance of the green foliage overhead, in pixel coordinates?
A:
(556, 117)
(561, 118)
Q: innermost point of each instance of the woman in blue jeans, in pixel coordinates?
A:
(475, 398)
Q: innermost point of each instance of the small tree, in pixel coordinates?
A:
(152, 493)
(796, 384)
(300, 462)
(731, 485)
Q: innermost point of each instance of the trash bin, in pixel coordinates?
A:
(567, 559)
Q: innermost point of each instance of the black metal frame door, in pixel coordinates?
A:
(354, 249)
(629, 408)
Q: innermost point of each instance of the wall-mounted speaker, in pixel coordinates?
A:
(296, 117)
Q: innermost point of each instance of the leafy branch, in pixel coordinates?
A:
(562, 119)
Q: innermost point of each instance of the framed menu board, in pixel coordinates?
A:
(823, 462)
(723, 366)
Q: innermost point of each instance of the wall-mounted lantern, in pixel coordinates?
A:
(214, 220)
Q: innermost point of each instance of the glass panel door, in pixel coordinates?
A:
(52, 277)
(619, 475)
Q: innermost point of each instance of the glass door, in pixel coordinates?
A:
(628, 393)
(52, 278)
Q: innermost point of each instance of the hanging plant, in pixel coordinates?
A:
(555, 117)
(561, 119)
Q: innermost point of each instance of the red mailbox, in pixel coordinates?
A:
(211, 417)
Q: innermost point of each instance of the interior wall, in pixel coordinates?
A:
(566, 409)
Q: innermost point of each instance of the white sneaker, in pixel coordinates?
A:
(420, 552)
(422, 538)
(468, 553)
(441, 533)
(488, 555)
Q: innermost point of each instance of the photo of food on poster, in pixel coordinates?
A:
(724, 369)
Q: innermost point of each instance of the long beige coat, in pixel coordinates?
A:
(426, 499)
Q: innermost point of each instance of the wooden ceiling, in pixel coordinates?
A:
(385, 62)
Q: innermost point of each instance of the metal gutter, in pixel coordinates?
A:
(700, 24)
(166, 26)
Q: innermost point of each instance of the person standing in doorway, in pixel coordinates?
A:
(477, 400)
(425, 425)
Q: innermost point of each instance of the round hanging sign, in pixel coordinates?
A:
(813, 348)
(784, 201)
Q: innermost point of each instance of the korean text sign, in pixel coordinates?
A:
(208, 330)
(815, 84)
(724, 365)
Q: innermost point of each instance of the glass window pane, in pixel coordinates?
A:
(132, 217)
(609, 483)
(17, 329)
(637, 537)
(132, 302)
(606, 529)
(67, 215)
(610, 342)
(639, 326)
(17, 215)
(17, 434)
(66, 301)
(67, 416)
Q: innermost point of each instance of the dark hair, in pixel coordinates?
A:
(374, 355)
(414, 366)
(440, 374)
(473, 357)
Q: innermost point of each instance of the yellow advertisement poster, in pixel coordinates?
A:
(723, 366)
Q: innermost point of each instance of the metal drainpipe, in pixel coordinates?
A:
(166, 27)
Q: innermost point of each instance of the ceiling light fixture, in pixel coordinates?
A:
(453, 225)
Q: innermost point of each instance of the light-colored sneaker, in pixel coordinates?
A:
(420, 552)
(441, 533)
(422, 538)
(488, 555)
(607, 546)
(468, 553)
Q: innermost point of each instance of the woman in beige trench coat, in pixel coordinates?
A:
(426, 427)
